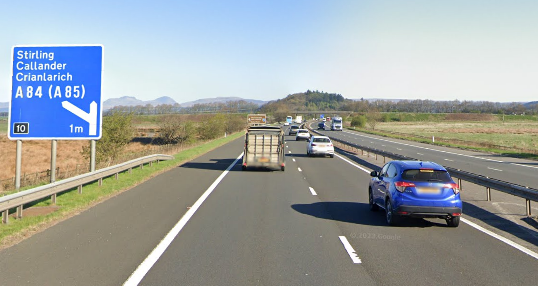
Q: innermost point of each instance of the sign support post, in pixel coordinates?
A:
(53, 161)
(18, 165)
(92, 156)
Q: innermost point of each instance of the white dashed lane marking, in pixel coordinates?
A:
(352, 254)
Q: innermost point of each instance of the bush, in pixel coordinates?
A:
(212, 127)
(358, 121)
(117, 131)
(170, 130)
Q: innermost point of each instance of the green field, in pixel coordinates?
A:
(509, 135)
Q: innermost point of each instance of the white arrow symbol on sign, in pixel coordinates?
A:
(91, 117)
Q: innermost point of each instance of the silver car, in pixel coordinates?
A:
(320, 145)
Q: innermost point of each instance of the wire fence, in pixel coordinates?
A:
(43, 177)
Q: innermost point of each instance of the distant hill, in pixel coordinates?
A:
(531, 105)
(132, 101)
(221, 100)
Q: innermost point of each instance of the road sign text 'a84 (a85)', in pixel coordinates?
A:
(56, 92)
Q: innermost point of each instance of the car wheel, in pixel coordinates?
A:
(453, 222)
(282, 168)
(332, 155)
(373, 206)
(244, 168)
(390, 215)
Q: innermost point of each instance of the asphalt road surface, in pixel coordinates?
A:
(309, 225)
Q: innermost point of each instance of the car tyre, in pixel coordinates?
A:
(244, 168)
(332, 155)
(392, 218)
(453, 221)
(373, 206)
(282, 168)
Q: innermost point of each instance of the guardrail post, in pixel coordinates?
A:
(488, 194)
(150, 163)
(376, 156)
(130, 170)
(141, 166)
(459, 184)
(5, 216)
(116, 176)
(19, 211)
(100, 182)
(79, 189)
(384, 159)
(528, 206)
(53, 199)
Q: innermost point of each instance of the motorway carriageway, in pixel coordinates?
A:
(199, 224)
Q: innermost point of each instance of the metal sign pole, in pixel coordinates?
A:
(53, 161)
(92, 158)
(18, 165)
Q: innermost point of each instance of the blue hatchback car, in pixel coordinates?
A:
(415, 189)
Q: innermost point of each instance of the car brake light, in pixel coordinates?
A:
(330, 145)
(454, 187)
(456, 214)
(400, 186)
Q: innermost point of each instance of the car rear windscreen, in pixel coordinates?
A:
(322, 140)
(426, 175)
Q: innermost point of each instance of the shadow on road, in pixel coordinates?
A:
(358, 213)
(215, 164)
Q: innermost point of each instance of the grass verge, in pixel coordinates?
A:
(70, 203)
(513, 154)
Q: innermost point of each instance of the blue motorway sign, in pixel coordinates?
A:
(56, 92)
(321, 116)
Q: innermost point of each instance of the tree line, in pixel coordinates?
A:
(239, 106)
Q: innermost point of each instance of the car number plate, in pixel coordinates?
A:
(263, 160)
(428, 190)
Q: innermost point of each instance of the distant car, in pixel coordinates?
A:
(302, 134)
(415, 189)
(293, 130)
(286, 123)
(324, 119)
(321, 125)
(320, 145)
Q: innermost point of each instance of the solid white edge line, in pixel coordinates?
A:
(353, 164)
(503, 239)
(148, 263)
(312, 191)
(354, 257)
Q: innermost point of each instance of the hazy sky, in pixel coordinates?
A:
(187, 50)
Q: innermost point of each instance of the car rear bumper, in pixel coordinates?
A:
(322, 152)
(428, 211)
